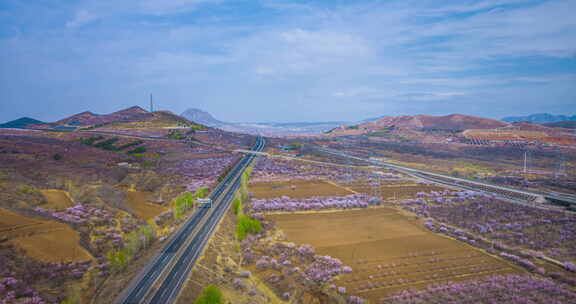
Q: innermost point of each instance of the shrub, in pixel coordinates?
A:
(147, 164)
(183, 203)
(138, 150)
(201, 192)
(128, 145)
(25, 189)
(107, 144)
(210, 295)
(247, 225)
(90, 140)
(237, 205)
(175, 134)
(57, 156)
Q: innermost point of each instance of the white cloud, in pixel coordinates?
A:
(161, 7)
(82, 17)
(392, 54)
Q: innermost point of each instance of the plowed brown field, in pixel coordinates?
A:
(388, 250)
(44, 240)
(57, 199)
(297, 189)
(139, 202)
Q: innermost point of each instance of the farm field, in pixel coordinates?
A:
(47, 241)
(388, 251)
(139, 202)
(401, 191)
(297, 189)
(57, 199)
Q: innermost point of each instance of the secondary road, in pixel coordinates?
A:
(163, 278)
(514, 194)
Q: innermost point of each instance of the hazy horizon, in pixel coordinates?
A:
(288, 61)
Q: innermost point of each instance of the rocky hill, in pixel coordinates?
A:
(202, 117)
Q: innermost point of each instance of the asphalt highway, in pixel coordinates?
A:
(162, 279)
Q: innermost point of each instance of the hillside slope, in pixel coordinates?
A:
(20, 123)
(454, 122)
(87, 118)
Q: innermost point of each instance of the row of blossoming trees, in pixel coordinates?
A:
(511, 289)
(20, 274)
(274, 169)
(519, 233)
(288, 204)
(290, 267)
(551, 232)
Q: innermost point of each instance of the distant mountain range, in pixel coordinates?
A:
(569, 124)
(454, 122)
(540, 118)
(20, 123)
(270, 129)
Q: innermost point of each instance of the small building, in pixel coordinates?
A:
(286, 148)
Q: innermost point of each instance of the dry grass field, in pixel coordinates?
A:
(388, 250)
(47, 241)
(139, 202)
(57, 199)
(297, 189)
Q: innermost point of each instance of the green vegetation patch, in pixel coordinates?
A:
(244, 225)
(133, 243)
(247, 225)
(90, 140)
(108, 144)
(186, 201)
(138, 150)
(210, 295)
(175, 134)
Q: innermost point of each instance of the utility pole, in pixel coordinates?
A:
(525, 160)
(151, 104)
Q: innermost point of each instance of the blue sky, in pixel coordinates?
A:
(275, 60)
